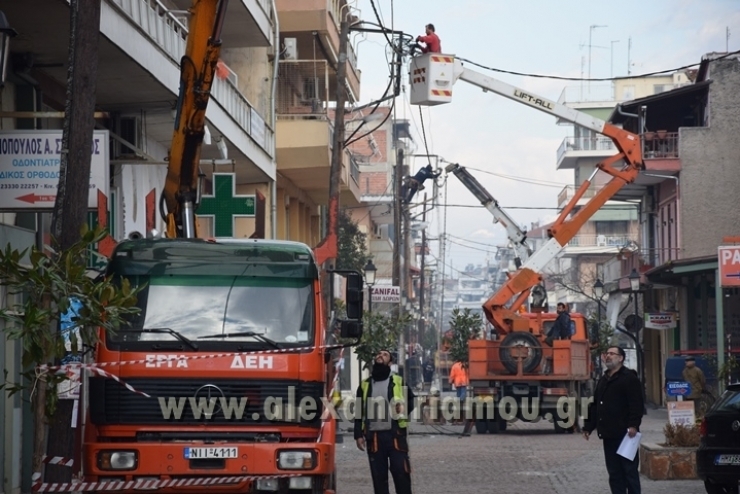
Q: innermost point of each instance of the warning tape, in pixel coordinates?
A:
(96, 367)
(185, 357)
(58, 460)
(142, 484)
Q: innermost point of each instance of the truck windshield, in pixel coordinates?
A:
(280, 309)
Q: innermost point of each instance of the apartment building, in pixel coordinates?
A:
(616, 225)
(686, 196)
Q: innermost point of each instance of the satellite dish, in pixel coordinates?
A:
(633, 323)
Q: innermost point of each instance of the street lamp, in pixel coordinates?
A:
(370, 271)
(598, 293)
(634, 278)
(6, 32)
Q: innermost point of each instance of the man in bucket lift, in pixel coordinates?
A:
(416, 182)
(431, 40)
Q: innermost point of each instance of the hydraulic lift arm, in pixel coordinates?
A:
(431, 81)
(515, 234)
(181, 193)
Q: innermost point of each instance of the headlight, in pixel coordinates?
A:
(295, 460)
(117, 460)
(299, 483)
(268, 484)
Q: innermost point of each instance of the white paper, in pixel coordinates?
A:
(629, 446)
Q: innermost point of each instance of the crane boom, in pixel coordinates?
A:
(197, 70)
(515, 234)
(432, 76)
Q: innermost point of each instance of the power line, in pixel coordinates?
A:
(536, 208)
(545, 183)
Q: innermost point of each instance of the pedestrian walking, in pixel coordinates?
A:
(695, 377)
(382, 427)
(459, 378)
(616, 411)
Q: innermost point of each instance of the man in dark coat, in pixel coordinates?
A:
(560, 330)
(616, 411)
(416, 182)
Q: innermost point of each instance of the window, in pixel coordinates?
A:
(612, 228)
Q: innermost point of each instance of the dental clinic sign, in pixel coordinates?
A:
(29, 168)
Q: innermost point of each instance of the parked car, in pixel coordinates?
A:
(718, 456)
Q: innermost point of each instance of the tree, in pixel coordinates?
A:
(380, 332)
(464, 326)
(41, 289)
(70, 208)
(351, 244)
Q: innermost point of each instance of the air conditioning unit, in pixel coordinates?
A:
(290, 52)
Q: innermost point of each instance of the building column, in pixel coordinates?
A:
(280, 201)
(315, 218)
(303, 225)
(294, 212)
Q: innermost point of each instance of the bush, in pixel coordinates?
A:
(681, 436)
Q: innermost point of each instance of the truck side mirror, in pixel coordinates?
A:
(354, 296)
(350, 329)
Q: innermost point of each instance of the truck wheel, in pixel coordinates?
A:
(520, 338)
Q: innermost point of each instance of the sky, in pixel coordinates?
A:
(490, 134)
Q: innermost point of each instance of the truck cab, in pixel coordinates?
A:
(222, 373)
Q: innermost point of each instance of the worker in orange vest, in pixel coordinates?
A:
(459, 378)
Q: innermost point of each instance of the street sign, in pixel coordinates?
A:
(29, 168)
(678, 388)
(729, 265)
(387, 294)
(660, 320)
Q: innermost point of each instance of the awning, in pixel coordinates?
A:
(671, 272)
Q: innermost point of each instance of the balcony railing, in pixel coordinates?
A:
(617, 240)
(303, 89)
(660, 145)
(570, 190)
(170, 34)
(585, 144)
(354, 170)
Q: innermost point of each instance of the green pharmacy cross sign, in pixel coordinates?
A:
(225, 205)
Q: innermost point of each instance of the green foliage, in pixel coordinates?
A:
(40, 290)
(727, 371)
(601, 343)
(465, 326)
(352, 253)
(380, 332)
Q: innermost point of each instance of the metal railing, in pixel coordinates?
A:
(166, 31)
(354, 170)
(334, 7)
(596, 143)
(660, 145)
(587, 93)
(605, 240)
(570, 190)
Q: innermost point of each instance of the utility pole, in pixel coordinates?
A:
(397, 219)
(406, 277)
(70, 208)
(629, 50)
(422, 320)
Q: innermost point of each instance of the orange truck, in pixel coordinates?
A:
(222, 381)
(516, 374)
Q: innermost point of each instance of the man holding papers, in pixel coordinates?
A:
(615, 414)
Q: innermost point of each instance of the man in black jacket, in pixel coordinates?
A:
(383, 407)
(616, 411)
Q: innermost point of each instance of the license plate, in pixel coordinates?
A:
(204, 453)
(727, 460)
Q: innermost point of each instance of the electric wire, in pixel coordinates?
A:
(534, 208)
(534, 181)
(600, 79)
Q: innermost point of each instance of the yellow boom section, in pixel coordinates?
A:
(197, 69)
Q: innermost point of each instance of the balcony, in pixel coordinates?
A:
(247, 23)
(569, 191)
(574, 148)
(315, 26)
(595, 243)
(586, 95)
(305, 132)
